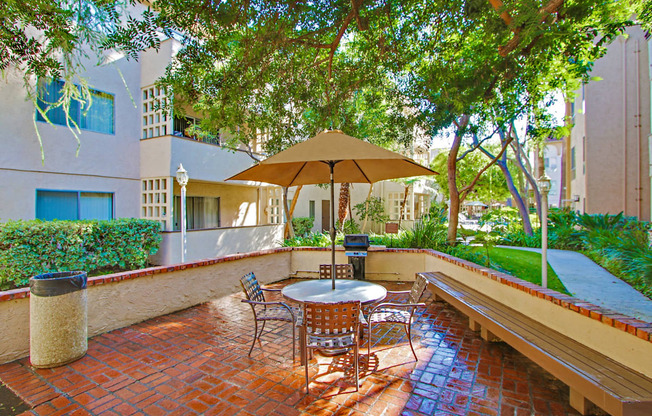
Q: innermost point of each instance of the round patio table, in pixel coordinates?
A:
(322, 291)
(345, 291)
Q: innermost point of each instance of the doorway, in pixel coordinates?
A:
(325, 215)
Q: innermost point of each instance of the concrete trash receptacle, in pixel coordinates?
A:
(58, 318)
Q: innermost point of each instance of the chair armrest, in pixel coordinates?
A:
(270, 290)
(282, 304)
(397, 292)
(253, 302)
(396, 305)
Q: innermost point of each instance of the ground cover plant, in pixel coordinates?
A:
(30, 248)
(523, 264)
(618, 243)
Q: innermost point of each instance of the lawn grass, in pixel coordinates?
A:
(523, 264)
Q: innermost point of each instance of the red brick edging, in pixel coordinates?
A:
(636, 327)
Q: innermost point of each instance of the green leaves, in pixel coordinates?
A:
(29, 248)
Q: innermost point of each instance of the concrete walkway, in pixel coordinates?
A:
(586, 280)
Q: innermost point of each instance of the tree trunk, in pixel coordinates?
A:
(525, 167)
(343, 203)
(513, 190)
(289, 229)
(366, 205)
(402, 212)
(518, 199)
(453, 191)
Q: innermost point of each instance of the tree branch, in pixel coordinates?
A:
(551, 7)
(465, 191)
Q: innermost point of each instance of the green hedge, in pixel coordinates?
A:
(29, 248)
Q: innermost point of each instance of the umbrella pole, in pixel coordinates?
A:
(332, 166)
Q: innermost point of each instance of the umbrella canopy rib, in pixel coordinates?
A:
(362, 171)
(297, 174)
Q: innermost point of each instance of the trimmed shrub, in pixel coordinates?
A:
(29, 248)
(302, 225)
(310, 240)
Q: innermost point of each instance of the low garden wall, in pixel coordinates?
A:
(122, 299)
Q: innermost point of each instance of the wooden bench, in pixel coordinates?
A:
(591, 376)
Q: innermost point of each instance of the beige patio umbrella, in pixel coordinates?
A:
(332, 156)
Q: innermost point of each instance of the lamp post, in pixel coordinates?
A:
(182, 179)
(544, 187)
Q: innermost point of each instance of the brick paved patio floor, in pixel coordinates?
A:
(195, 362)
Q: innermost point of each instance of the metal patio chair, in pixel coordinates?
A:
(331, 326)
(398, 313)
(265, 311)
(342, 271)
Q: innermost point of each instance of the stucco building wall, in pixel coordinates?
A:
(99, 163)
(610, 135)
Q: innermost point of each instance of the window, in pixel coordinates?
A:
(420, 205)
(181, 124)
(584, 154)
(189, 127)
(311, 209)
(96, 115)
(201, 212)
(395, 200)
(258, 143)
(73, 205)
(273, 208)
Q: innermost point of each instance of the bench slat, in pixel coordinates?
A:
(604, 381)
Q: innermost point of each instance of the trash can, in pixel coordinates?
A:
(58, 318)
(355, 248)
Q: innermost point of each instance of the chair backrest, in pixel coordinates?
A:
(342, 271)
(331, 319)
(252, 288)
(417, 290)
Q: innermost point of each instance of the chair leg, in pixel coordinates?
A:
(293, 341)
(262, 328)
(304, 354)
(356, 357)
(408, 330)
(255, 336)
(369, 340)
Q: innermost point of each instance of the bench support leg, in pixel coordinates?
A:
(488, 335)
(578, 402)
(436, 297)
(474, 325)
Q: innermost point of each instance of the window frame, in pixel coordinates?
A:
(78, 200)
(79, 112)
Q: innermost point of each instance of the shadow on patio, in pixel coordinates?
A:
(195, 362)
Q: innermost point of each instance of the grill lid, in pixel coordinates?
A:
(356, 241)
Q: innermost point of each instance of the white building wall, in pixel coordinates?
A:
(104, 163)
(208, 244)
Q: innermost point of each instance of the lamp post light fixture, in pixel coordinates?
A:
(182, 179)
(544, 188)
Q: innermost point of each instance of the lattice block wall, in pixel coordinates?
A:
(155, 122)
(156, 201)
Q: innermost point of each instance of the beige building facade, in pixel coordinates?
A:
(608, 156)
(128, 154)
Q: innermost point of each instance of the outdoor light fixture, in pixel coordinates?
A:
(544, 184)
(544, 188)
(182, 179)
(182, 175)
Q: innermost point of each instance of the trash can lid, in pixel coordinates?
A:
(57, 283)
